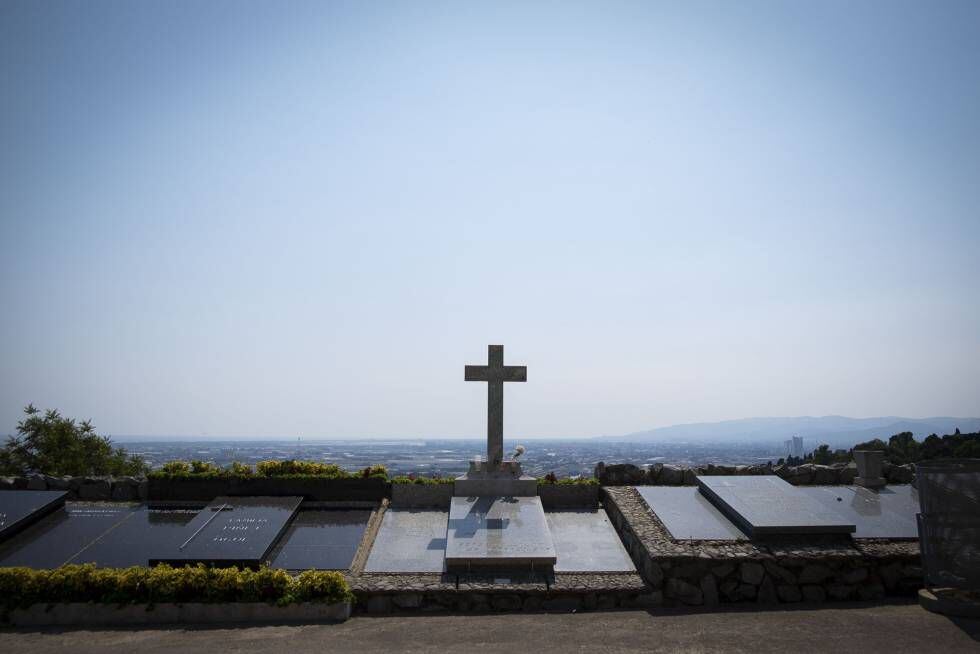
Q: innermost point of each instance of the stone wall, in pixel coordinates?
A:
(658, 474)
(397, 593)
(777, 570)
(120, 489)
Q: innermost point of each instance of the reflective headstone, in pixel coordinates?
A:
(133, 539)
(20, 508)
(60, 537)
(765, 504)
(688, 514)
(321, 540)
(231, 531)
(409, 541)
(587, 542)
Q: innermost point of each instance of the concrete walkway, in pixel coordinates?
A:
(882, 628)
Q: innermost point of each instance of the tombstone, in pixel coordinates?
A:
(766, 505)
(869, 468)
(232, 531)
(496, 520)
(22, 508)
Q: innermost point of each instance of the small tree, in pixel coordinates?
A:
(54, 445)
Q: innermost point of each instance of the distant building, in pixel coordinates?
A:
(794, 446)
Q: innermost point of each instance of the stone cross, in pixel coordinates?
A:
(496, 373)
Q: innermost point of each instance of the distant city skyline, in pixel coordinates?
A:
(305, 218)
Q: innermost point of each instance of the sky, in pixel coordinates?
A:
(304, 218)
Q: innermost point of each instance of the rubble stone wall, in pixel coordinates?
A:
(659, 474)
(777, 570)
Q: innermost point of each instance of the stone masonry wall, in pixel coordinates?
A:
(120, 489)
(658, 474)
(784, 570)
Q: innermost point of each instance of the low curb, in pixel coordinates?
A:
(90, 615)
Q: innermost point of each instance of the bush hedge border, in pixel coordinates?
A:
(22, 587)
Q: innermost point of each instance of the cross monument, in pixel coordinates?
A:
(495, 373)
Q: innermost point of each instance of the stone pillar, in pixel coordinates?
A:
(869, 468)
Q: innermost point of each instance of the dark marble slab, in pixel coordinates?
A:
(21, 508)
(231, 531)
(61, 536)
(133, 539)
(688, 514)
(766, 505)
(320, 540)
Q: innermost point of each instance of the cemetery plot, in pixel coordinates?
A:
(888, 512)
(232, 531)
(498, 531)
(409, 541)
(322, 540)
(688, 514)
(766, 505)
(60, 537)
(131, 540)
(20, 508)
(587, 542)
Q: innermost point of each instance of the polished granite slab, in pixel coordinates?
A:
(21, 508)
(888, 512)
(131, 540)
(688, 514)
(501, 532)
(409, 541)
(587, 542)
(231, 531)
(767, 505)
(320, 540)
(61, 536)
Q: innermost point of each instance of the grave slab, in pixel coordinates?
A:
(409, 541)
(232, 531)
(688, 514)
(59, 537)
(767, 505)
(133, 538)
(586, 541)
(500, 532)
(888, 512)
(21, 508)
(320, 540)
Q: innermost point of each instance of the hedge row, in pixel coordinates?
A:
(22, 587)
(287, 468)
(295, 469)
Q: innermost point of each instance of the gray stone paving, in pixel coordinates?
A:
(409, 541)
(587, 542)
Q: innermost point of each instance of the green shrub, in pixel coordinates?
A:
(284, 469)
(550, 478)
(22, 587)
(54, 445)
(425, 481)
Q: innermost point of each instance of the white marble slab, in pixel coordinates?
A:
(498, 532)
(409, 541)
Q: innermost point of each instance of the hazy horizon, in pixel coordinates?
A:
(307, 217)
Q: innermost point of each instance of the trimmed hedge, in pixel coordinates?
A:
(22, 587)
(568, 481)
(423, 481)
(290, 469)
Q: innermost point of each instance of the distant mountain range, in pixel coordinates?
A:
(837, 431)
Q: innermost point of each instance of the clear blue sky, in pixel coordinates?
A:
(250, 218)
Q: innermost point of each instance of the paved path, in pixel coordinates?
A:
(883, 628)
